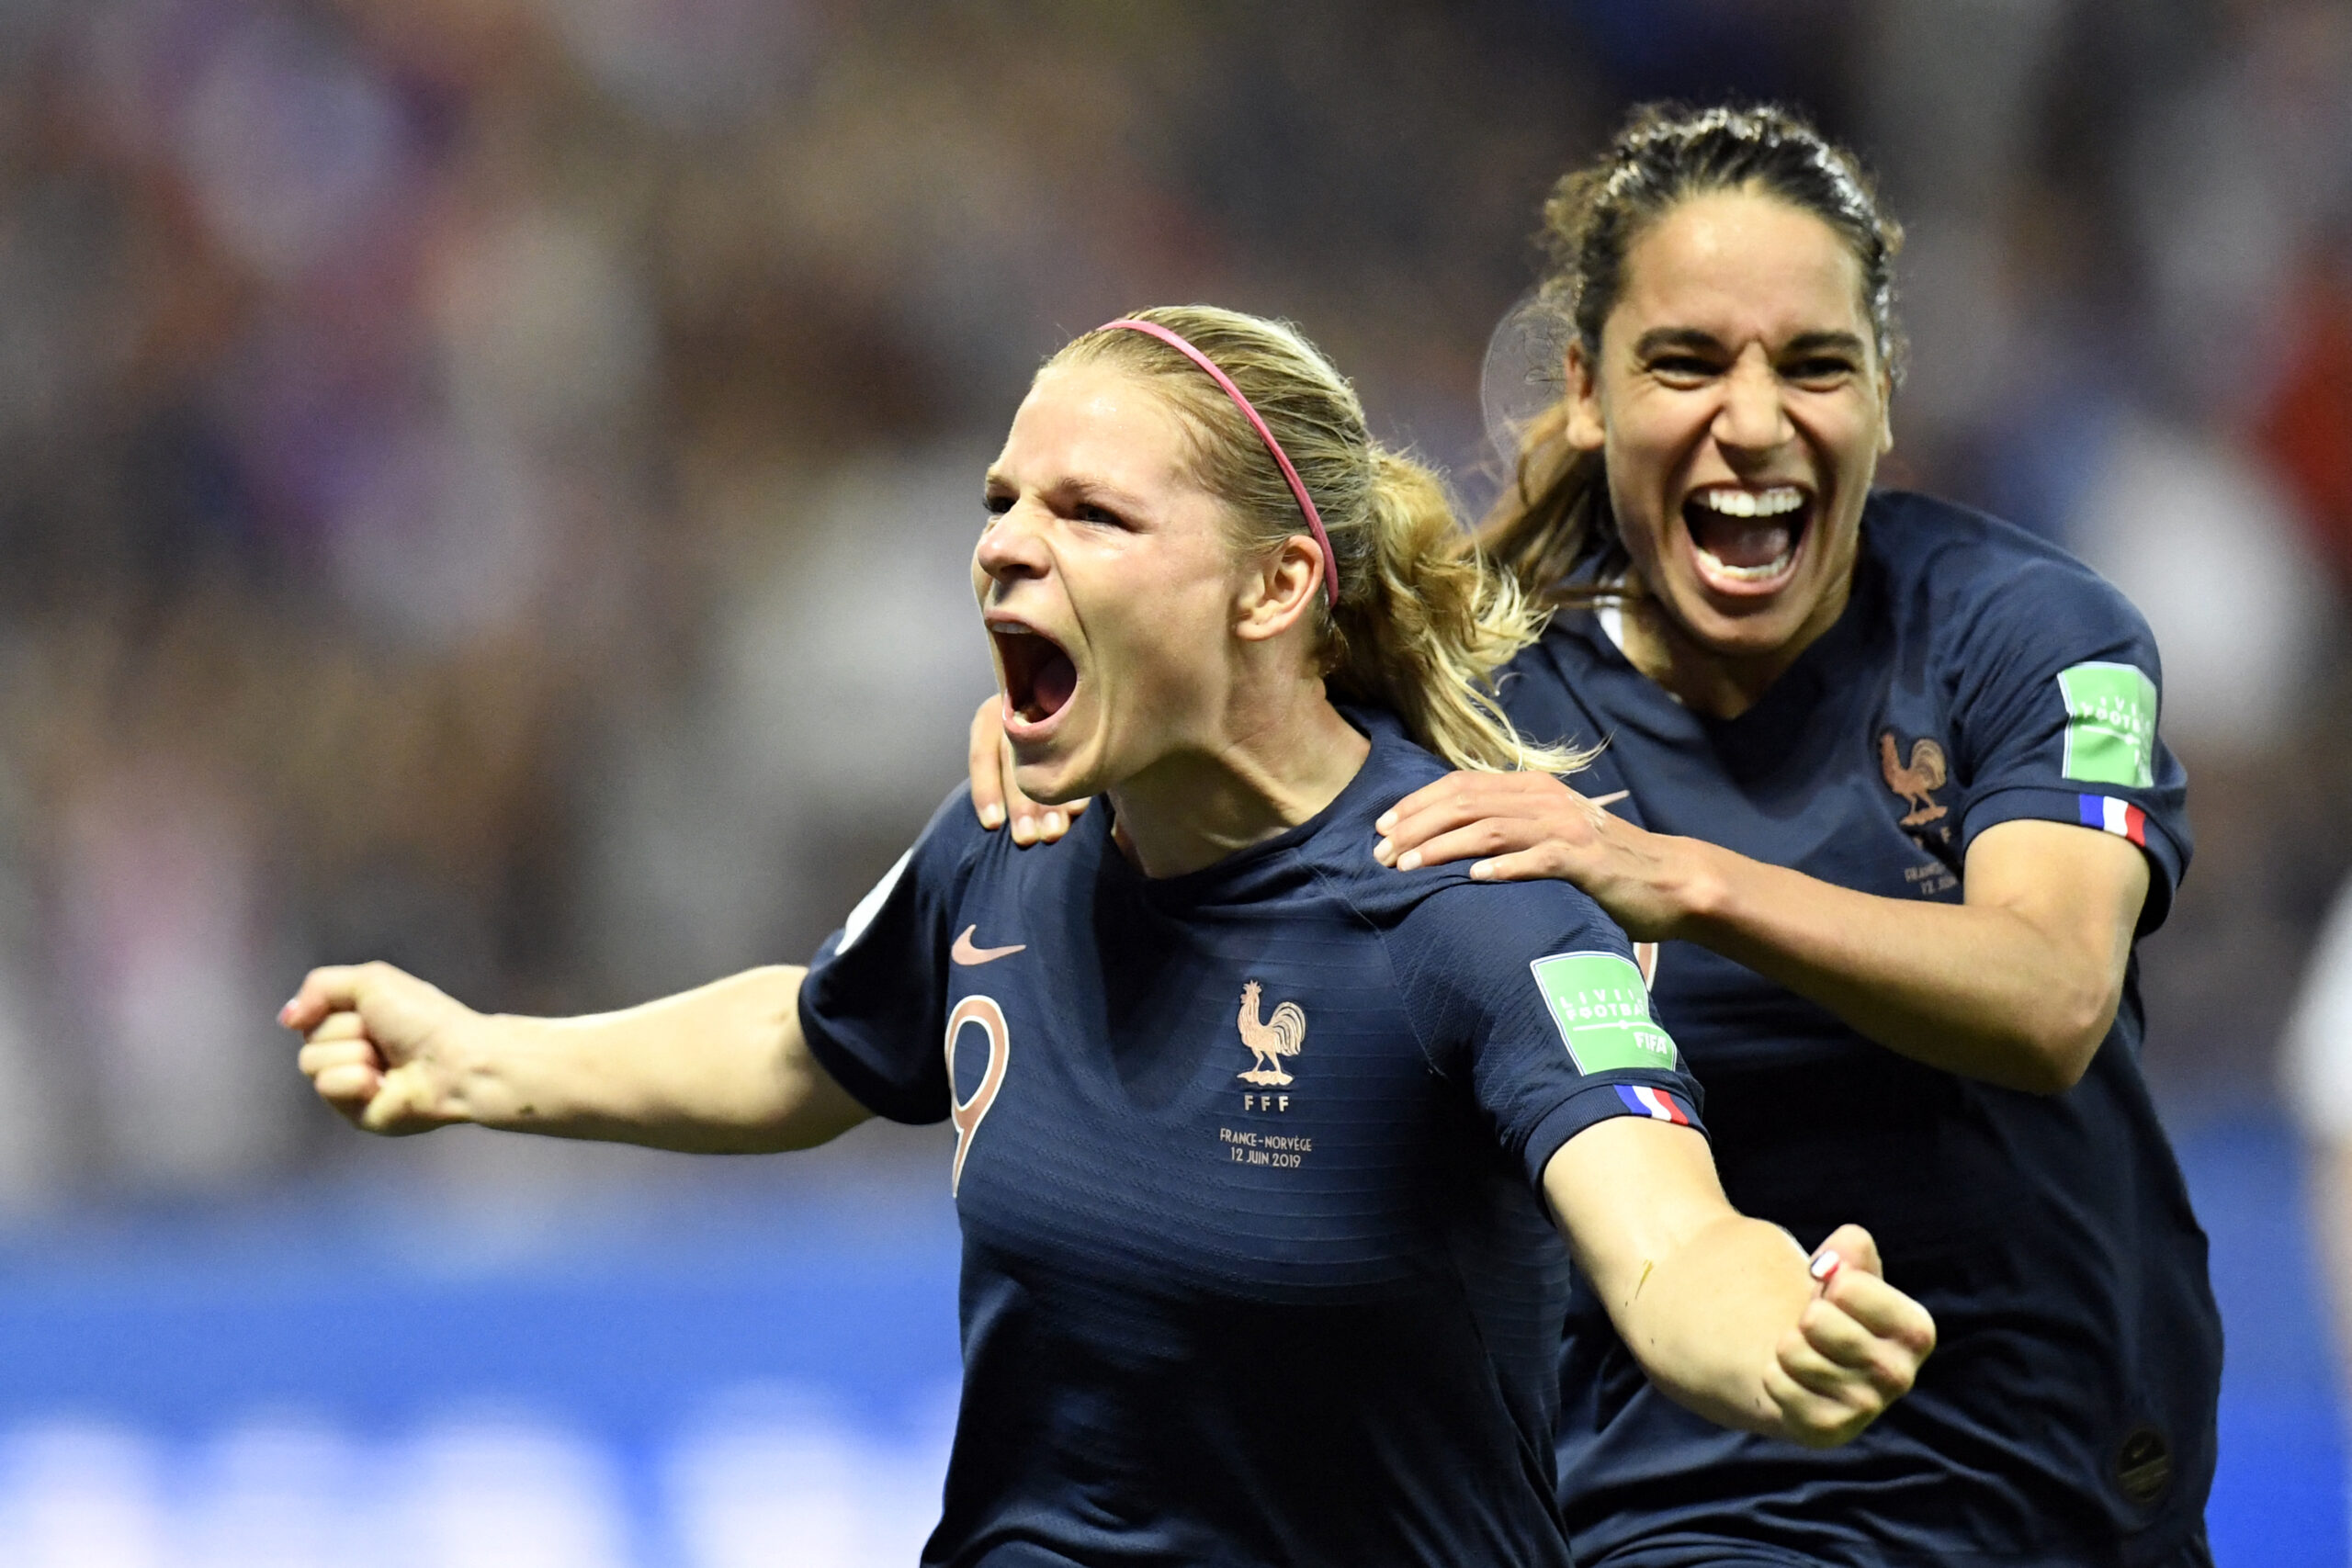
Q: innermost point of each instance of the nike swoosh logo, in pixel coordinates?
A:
(965, 953)
(1609, 799)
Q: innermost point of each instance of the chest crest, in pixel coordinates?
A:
(1916, 780)
(1270, 1040)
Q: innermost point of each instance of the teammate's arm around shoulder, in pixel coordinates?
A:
(723, 1068)
(1725, 1314)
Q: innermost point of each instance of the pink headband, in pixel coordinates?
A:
(1281, 458)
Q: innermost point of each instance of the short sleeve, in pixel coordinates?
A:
(2058, 694)
(1530, 995)
(874, 1007)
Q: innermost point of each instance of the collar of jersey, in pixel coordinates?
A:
(1237, 875)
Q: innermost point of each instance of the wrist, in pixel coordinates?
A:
(475, 1053)
(1699, 888)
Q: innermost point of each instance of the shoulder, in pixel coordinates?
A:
(953, 837)
(1478, 935)
(1982, 588)
(942, 857)
(1338, 852)
(1436, 905)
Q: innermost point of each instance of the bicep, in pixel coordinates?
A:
(2079, 888)
(812, 1106)
(1628, 1192)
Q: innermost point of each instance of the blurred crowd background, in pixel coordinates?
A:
(487, 483)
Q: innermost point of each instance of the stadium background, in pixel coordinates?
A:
(485, 483)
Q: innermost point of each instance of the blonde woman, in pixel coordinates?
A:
(1259, 1145)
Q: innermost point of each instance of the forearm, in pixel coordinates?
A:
(2018, 984)
(1705, 1320)
(721, 1068)
(1723, 1312)
(1976, 989)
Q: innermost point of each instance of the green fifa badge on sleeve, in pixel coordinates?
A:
(1603, 1012)
(2110, 725)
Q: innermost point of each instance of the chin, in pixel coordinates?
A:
(1745, 631)
(1052, 782)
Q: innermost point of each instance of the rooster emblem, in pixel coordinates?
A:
(1270, 1040)
(1915, 782)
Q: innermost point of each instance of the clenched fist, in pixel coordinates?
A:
(1855, 1349)
(382, 1046)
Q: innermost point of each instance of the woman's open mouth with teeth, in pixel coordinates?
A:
(1039, 677)
(1747, 540)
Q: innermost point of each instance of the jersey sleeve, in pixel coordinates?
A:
(1528, 995)
(2055, 719)
(874, 1007)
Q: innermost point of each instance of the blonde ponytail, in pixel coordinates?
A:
(1422, 620)
(1433, 625)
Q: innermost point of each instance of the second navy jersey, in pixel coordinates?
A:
(1257, 1269)
(1976, 677)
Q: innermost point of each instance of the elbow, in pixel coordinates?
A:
(2065, 1034)
(2045, 1065)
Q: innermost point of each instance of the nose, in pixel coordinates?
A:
(1010, 547)
(1753, 419)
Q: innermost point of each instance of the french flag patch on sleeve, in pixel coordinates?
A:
(1653, 1103)
(2109, 815)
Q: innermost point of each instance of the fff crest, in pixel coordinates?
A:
(1270, 1040)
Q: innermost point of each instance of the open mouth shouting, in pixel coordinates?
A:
(1746, 541)
(1039, 677)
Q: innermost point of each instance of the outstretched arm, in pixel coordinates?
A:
(1725, 1313)
(2016, 985)
(720, 1070)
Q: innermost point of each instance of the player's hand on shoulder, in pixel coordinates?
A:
(381, 1046)
(996, 798)
(1855, 1349)
(1523, 826)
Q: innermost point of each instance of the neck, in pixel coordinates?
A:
(1283, 760)
(1709, 681)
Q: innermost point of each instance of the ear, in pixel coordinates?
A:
(1886, 414)
(1587, 431)
(1282, 592)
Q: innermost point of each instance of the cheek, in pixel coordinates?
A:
(1849, 428)
(1648, 441)
(1171, 649)
(1637, 485)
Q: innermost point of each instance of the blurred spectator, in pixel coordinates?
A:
(2207, 547)
(2306, 427)
(2316, 1082)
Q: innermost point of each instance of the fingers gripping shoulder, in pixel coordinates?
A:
(996, 796)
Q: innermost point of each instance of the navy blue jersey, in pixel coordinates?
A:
(1256, 1265)
(1977, 676)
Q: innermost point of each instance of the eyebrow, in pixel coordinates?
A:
(1661, 338)
(1084, 486)
(1815, 342)
(1658, 338)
